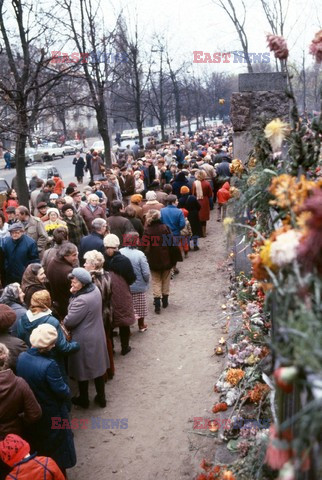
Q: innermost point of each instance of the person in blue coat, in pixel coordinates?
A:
(40, 313)
(173, 216)
(43, 375)
(19, 251)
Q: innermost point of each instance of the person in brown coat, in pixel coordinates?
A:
(159, 257)
(92, 210)
(135, 204)
(151, 204)
(14, 344)
(109, 191)
(18, 405)
(117, 224)
(57, 274)
(127, 185)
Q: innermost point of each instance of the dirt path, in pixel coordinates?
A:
(164, 382)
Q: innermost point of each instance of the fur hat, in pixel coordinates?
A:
(13, 449)
(150, 196)
(111, 241)
(53, 210)
(43, 336)
(67, 206)
(137, 198)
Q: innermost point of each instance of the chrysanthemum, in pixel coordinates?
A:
(284, 249)
(275, 132)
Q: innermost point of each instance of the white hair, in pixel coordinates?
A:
(92, 196)
(95, 258)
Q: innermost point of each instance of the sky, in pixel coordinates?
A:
(200, 25)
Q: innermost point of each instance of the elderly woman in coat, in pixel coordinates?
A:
(84, 320)
(122, 276)
(94, 262)
(13, 296)
(33, 280)
(202, 190)
(39, 313)
(43, 375)
(14, 344)
(142, 271)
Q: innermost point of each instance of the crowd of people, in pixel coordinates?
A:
(77, 265)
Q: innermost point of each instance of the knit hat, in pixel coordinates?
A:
(7, 317)
(111, 241)
(53, 210)
(184, 190)
(42, 205)
(81, 274)
(43, 336)
(150, 196)
(13, 449)
(67, 206)
(137, 198)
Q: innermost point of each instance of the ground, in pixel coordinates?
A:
(164, 382)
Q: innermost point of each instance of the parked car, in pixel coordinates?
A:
(129, 134)
(44, 171)
(13, 159)
(52, 149)
(69, 149)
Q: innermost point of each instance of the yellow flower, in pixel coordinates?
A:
(265, 255)
(252, 162)
(275, 132)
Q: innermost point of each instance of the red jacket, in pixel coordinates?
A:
(59, 185)
(36, 468)
(223, 194)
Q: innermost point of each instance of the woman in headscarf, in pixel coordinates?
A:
(33, 280)
(202, 190)
(94, 261)
(84, 319)
(54, 221)
(135, 201)
(40, 370)
(60, 236)
(191, 204)
(13, 296)
(38, 314)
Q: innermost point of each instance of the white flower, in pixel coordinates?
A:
(283, 250)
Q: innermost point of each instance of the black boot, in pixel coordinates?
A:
(165, 302)
(100, 392)
(125, 338)
(157, 305)
(82, 400)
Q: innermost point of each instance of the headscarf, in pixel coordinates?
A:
(199, 192)
(10, 294)
(40, 302)
(29, 278)
(137, 198)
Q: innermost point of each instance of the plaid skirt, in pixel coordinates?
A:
(140, 305)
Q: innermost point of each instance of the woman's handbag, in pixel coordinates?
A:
(66, 332)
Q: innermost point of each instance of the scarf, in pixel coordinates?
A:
(199, 192)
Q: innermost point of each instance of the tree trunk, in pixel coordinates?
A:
(23, 193)
(177, 109)
(102, 125)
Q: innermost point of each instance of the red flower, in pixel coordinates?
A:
(316, 47)
(279, 449)
(205, 465)
(278, 45)
(219, 407)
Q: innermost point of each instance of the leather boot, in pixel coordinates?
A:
(165, 302)
(157, 305)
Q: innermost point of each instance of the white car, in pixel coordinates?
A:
(129, 134)
(52, 149)
(98, 146)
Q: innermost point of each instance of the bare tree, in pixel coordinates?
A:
(239, 24)
(27, 76)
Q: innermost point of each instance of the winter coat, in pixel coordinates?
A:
(29, 322)
(127, 185)
(77, 228)
(19, 309)
(151, 205)
(102, 280)
(97, 165)
(89, 215)
(44, 378)
(120, 226)
(59, 185)
(57, 275)
(223, 170)
(223, 194)
(180, 181)
(141, 269)
(84, 320)
(121, 265)
(35, 229)
(173, 217)
(156, 250)
(18, 254)
(15, 347)
(18, 405)
(190, 203)
(79, 166)
(137, 225)
(122, 302)
(93, 241)
(204, 212)
(36, 468)
(9, 203)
